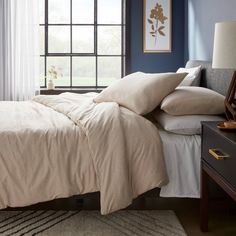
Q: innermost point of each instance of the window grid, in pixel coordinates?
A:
(95, 54)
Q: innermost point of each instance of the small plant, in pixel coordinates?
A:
(55, 72)
(156, 18)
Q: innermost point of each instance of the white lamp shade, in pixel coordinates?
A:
(224, 53)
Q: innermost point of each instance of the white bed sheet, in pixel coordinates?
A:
(182, 154)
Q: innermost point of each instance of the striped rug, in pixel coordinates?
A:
(81, 223)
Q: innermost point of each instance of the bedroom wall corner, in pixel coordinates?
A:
(156, 62)
(201, 17)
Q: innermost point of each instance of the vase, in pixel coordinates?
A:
(50, 85)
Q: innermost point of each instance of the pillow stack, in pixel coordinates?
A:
(184, 109)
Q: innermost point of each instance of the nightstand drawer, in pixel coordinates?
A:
(226, 167)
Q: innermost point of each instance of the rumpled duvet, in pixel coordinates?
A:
(63, 145)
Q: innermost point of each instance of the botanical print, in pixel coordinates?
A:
(156, 18)
(157, 26)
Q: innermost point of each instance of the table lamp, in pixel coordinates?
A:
(224, 57)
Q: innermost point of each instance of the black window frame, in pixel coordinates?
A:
(125, 35)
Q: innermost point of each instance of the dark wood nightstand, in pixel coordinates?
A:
(221, 170)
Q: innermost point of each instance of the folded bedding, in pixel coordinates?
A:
(64, 145)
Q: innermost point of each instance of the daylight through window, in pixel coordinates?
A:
(84, 39)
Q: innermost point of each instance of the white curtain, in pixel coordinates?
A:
(19, 49)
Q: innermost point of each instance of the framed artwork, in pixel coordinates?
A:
(157, 26)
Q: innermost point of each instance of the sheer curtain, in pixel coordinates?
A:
(19, 49)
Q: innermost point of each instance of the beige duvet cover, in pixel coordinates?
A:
(64, 145)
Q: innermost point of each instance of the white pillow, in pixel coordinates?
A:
(189, 100)
(193, 78)
(185, 125)
(139, 92)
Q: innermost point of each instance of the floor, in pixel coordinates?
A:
(222, 216)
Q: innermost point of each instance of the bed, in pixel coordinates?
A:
(106, 148)
(183, 152)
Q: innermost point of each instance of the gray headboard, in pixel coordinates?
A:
(215, 79)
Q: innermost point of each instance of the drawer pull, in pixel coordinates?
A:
(217, 154)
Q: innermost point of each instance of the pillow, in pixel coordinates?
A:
(185, 125)
(193, 78)
(187, 100)
(140, 93)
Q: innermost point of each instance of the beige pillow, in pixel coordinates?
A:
(187, 100)
(141, 93)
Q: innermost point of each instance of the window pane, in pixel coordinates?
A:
(42, 11)
(109, 12)
(58, 39)
(83, 68)
(84, 71)
(109, 40)
(109, 69)
(83, 39)
(58, 11)
(42, 71)
(41, 41)
(62, 64)
(83, 11)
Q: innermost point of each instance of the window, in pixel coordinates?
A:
(85, 39)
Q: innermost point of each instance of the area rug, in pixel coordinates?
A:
(81, 223)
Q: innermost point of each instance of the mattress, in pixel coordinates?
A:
(182, 154)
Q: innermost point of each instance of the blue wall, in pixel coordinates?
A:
(202, 16)
(157, 62)
(192, 33)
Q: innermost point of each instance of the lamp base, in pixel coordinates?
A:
(230, 100)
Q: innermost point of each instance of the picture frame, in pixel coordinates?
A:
(157, 26)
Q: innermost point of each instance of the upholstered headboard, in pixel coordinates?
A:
(215, 79)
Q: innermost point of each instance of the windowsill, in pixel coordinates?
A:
(45, 91)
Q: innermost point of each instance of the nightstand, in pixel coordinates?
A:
(220, 168)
